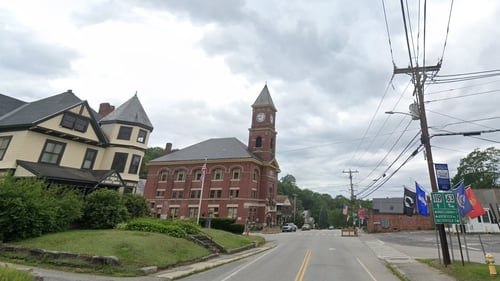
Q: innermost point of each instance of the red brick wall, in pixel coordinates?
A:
(395, 222)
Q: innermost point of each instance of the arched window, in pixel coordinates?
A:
(258, 142)
(218, 174)
(272, 143)
(162, 177)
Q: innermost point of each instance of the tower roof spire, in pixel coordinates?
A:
(264, 99)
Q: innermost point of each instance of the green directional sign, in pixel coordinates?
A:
(444, 205)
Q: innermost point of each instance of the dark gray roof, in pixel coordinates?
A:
(53, 172)
(34, 112)
(388, 205)
(131, 112)
(264, 99)
(7, 104)
(211, 149)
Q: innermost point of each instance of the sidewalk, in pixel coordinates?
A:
(406, 265)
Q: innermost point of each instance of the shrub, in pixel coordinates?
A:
(103, 210)
(151, 225)
(137, 206)
(28, 209)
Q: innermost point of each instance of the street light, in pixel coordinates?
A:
(413, 112)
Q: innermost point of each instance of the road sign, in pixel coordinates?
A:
(444, 206)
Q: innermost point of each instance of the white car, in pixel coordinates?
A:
(289, 227)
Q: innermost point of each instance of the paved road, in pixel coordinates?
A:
(303, 256)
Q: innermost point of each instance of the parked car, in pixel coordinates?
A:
(331, 227)
(306, 226)
(289, 227)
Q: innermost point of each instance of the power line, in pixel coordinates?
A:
(447, 31)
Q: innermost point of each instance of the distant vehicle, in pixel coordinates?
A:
(331, 227)
(289, 227)
(306, 226)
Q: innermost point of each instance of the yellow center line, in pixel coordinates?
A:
(303, 266)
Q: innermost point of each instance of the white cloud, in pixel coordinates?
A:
(199, 65)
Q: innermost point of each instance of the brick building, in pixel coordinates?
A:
(387, 215)
(241, 181)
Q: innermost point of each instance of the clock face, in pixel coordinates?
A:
(261, 116)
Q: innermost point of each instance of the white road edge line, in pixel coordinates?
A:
(366, 269)
(246, 265)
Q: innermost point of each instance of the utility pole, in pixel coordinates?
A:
(419, 76)
(353, 198)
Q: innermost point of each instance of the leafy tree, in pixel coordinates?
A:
(150, 154)
(479, 169)
(137, 206)
(103, 209)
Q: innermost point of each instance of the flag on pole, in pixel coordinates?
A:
(344, 210)
(477, 208)
(409, 202)
(463, 203)
(203, 172)
(421, 200)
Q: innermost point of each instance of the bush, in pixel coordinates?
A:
(226, 224)
(158, 226)
(137, 206)
(103, 210)
(28, 209)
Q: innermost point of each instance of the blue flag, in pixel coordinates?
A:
(463, 202)
(421, 200)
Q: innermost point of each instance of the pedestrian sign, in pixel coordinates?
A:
(444, 206)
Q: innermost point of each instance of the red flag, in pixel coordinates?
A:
(477, 209)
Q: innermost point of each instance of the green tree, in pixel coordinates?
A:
(137, 206)
(103, 209)
(479, 169)
(150, 154)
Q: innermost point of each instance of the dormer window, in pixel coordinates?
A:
(74, 122)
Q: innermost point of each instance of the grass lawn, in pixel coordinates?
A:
(469, 272)
(135, 249)
(12, 274)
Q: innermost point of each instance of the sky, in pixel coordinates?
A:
(197, 66)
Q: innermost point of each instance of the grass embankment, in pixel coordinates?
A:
(467, 272)
(12, 274)
(135, 249)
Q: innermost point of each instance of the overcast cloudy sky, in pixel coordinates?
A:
(198, 65)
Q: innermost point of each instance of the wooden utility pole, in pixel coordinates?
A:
(419, 75)
(353, 198)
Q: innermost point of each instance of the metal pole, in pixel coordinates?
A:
(203, 173)
(430, 163)
(294, 207)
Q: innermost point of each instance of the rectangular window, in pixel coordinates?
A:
(134, 164)
(234, 193)
(179, 176)
(236, 174)
(215, 193)
(218, 174)
(52, 152)
(253, 194)
(197, 175)
(74, 122)
(4, 144)
(193, 212)
(213, 211)
(141, 137)
(177, 194)
(124, 133)
(89, 159)
(174, 212)
(163, 176)
(194, 194)
(119, 162)
(160, 193)
(232, 212)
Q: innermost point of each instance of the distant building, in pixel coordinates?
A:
(387, 215)
(284, 211)
(63, 140)
(241, 180)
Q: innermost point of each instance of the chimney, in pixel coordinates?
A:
(168, 148)
(105, 108)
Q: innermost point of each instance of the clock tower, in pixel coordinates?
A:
(262, 134)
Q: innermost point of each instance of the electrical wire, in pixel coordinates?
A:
(464, 96)
(388, 33)
(447, 32)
